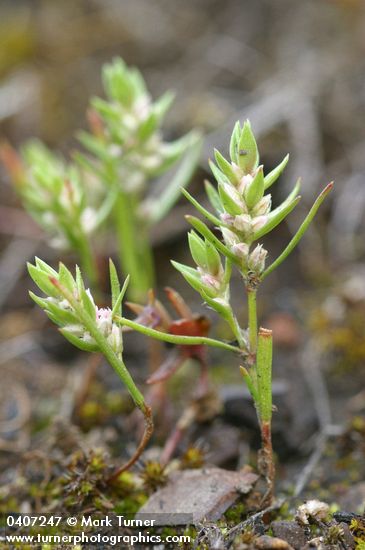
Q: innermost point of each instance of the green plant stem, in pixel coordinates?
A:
(231, 318)
(264, 409)
(236, 329)
(129, 241)
(263, 369)
(175, 339)
(252, 319)
(146, 259)
(116, 361)
(88, 261)
(266, 462)
(250, 384)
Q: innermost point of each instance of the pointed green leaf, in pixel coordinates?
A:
(41, 279)
(94, 145)
(197, 250)
(79, 281)
(148, 127)
(163, 104)
(272, 176)
(88, 304)
(226, 195)
(65, 277)
(299, 234)
(213, 258)
(248, 156)
(61, 316)
(41, 302)
(213, 219)
(189, 274)
(78, 342)
(255, 189)
(213, 197)
(45, 267)
(114, 282)
(275, 217)
(117, 308)
(205, 231)
(158, 208)
(233, 148)
(217, 304)
(250, 384)
(217, 173)
(225, 167)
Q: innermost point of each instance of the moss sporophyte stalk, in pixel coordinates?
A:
(242, 214)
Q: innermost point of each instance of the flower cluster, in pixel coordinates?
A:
(72, 308)
(108, 181)
(244, 210)
(125, 129)
(243, 215)
(53, 192)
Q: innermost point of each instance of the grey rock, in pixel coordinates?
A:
(192, 496)
(290, 531)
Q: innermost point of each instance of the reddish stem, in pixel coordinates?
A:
(148, 431)
(266, 462)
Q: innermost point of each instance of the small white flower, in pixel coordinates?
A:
(245, 181)
(104, 320)
(229, 237)
(209, 280)
(263, 206)
(115, 339)
(88, 220)
(259, 222)
(256, 260)
(243, 223)
(240, 250)
(151, 162)
(142, 108)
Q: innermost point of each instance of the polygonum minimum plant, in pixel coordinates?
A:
(70, 305)
(243, 215)
(88, 327)
(109, 185)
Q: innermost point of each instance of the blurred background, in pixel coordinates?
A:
(297, 71)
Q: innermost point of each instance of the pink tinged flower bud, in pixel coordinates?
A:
(210, 281)
(257, 258)
(243, 223)
(235, 204)
(227, 218)
(104, 320)
(259, 222)
(245, 180)
(262, 207)
(240, 250)
(229, 237)
(115, 339)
